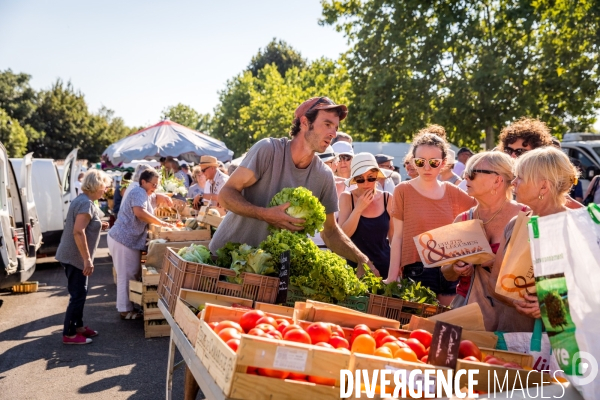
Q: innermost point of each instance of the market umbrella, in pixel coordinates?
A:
(167, 138)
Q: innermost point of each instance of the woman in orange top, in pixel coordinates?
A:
(422, 204)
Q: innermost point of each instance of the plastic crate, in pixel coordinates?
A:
(294, 294)
(357, 303)
(26, 287)
(178, 274)
(394, 308)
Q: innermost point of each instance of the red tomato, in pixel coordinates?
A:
(380, 334)
(386, 339)
(249, 319)
(468, 348)
(417, 347)
(337, 330)
(213, 325)
(319, 332)
(297, 335)
(319, 380)
(234, 344)
(252, 371)
(267, 320)
(422, 336)
(265, 327)
(273, 373)
(425, 358)
(323, 344)
(471, 358)
(256, 332)
(337, 342)
(275, 335)
(296, 376)
(229, 333)
(228, 324)
(282, 325)
(291, 327)
(361, 329)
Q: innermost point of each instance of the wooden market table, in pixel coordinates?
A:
(205, 381)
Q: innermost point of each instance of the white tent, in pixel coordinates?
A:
(164, 139)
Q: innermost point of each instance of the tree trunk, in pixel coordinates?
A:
(490, 141)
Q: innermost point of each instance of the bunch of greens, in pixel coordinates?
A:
(196, 253)
(321, 275)
(302, 205)
(224, 254)
(407, 289)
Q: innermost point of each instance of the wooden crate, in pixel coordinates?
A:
(151, 330)
(228, 368)
(150, 276)
(211, 220)
(179, 274)
(480, 338)
(402, 311)
(152, 312)
(315, 311)
(181, 236)
(275, 309)
(188, 321)
(142, 294)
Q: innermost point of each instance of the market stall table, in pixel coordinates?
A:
(204, 380)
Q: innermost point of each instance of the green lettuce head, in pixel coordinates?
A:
(303, 205)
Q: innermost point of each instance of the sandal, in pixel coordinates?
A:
(132, 315)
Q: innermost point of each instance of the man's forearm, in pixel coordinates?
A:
(339, 243)
(232, 200)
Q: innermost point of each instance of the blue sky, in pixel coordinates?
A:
(138, 57)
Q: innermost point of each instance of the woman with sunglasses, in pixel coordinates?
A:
(489, 180)
(127, 238)
(199, 179)
(422, 204)
(364, 215)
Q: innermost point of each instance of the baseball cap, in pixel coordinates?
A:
(464, 150)
(381, 158)
(319, 103)
(341, 148)
(327, 155)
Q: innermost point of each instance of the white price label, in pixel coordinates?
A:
(290, 359)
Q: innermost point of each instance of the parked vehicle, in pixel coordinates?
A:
(20, 231)
(53, 193)
(584, 147)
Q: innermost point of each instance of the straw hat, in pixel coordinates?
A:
(208, 161)
(361, 163)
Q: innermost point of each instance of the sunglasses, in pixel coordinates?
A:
(320, 101)
(361, 180)
(433, 162)
(471, 175)
(345, 157)
(517, 152)
(205, 169)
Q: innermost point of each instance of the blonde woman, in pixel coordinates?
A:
(76, 250)
(544, 176)
(411, 170)
(489, 181)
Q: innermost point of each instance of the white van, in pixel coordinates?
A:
(53, 194)
(20, 232)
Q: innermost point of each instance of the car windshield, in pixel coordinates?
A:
(597, 150)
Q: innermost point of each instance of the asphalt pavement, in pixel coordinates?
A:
(119, 364)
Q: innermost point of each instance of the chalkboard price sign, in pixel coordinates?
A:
(443, 351)
(284, 277)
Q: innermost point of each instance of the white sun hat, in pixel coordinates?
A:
(361, 163)
(341, 148)
(327, 155)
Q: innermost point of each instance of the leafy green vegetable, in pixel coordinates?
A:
(302, 205)
(196, 253)
(224, 254)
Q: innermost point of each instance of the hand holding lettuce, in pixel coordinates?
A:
(303, 205)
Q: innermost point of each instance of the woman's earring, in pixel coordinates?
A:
(494, 192)
(541, 197)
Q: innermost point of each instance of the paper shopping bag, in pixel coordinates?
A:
(565, 249)
(516, 273)
(461, 241)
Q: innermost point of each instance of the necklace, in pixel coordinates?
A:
(493, 216)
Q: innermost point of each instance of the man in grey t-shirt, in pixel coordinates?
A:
(274, 164)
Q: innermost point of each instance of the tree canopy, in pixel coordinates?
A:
(472, 66)
(277, 52)
(187, 116)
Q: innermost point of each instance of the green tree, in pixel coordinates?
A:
(187, 116)
(12, 135)
(472, 66)
(277, 52)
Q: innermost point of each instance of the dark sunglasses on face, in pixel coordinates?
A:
(204, 170)
(345, 157)
(517, 152)
(471, 175)
(360, 179)
(433, 162)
